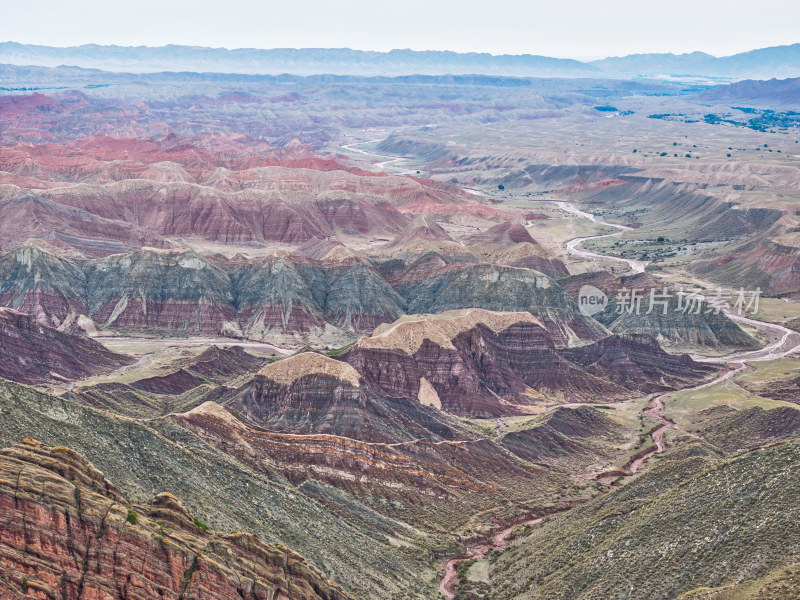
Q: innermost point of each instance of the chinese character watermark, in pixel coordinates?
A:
(662, 301)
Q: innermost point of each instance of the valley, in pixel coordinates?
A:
(397, 337)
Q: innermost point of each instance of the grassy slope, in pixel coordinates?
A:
(693, 520)
(370, 555)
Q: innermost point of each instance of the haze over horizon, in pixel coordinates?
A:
(580, 30)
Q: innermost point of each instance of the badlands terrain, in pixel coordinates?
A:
(328, 336)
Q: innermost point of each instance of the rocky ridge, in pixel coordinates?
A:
(70, 533)
(487, 364)
(288, 296)
(35, 354)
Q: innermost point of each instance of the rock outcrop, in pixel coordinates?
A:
(311, 393)
(499, 288)
(44, 284)
(679, 325)
(69, 533)
(637, 362)
(286, 295)
(152, 289)
(485, 364)
(35, 354)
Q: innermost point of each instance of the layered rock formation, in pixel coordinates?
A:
(195, 381)
(33, 353)
(423, 228)
(70, 533)
(323, 290)
(310, 393)
(771, 264)
(484, 364)
(637, 362)
(159, 290)
(333, 529)
(103, 195)
(415, 475)
(50, 287)
(675, 323)
(510, 243)
(120, 399)
(220, 364)
(173, 384)
(568, 438)
(500, 288)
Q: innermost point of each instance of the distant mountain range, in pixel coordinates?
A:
(765, 63)
(777, 92)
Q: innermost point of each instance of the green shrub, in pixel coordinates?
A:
(132, 517)
(202, 526)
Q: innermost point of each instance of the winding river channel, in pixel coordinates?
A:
(781, 342)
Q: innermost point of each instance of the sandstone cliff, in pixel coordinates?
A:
(69, 533)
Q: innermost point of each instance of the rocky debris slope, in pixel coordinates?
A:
(34, 354)
(70, 533)
(782, 583)
(680, 211)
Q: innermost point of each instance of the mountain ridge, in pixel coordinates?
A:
(777, 60)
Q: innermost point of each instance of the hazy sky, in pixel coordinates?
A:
(580, 29)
